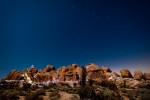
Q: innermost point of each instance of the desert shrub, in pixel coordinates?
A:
(86, 92)
(109, 84)
(54, 95)
(51, 90)
(145, 97)
(31, 96)
(143, 93)
(9, 95)
(3, 97)
(26, 86)
(40, 92)
(143, 90)
(33, 87)
(23, 93)
(1, 91)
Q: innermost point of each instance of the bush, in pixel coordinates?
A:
(31, 96)
(86, 92)
(109, 84)
(9, 95)
(40, 92)
(54, 95)
(23, 93)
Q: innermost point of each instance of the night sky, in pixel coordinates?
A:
(113, 33)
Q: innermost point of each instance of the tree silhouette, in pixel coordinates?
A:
(83, 81)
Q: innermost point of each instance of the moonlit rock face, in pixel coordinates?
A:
(147, 76)
(125, 73)
(138, 74)
(92, 67)
(106, 69)
(14, 75)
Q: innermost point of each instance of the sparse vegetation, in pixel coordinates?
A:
(86, 89)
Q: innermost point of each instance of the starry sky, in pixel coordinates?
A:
(113, 33)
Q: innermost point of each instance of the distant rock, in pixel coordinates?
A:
(115, 74)
(32, 70)
(49, 68)
(94, 72)
(70, 73)
(92, 67)
(106, 69)
(134, 84)
(125, 73)
(61, 73)
(14, 75)
(76, 75)
(107, 75)
(119, 82)
(138, 74)
(147, 76)
(48, 74)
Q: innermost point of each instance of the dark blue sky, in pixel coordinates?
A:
(115, 33)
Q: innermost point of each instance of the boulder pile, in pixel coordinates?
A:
(74, 74)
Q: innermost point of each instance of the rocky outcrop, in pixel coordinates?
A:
(138, 74)
(134, 84)
(14, 75)
(75, 74)
(70, 73)
(147, 76)
(49, 68)
(115, 74)
(48, 74)
(94, 72)
(32, 70)
(92, 67)
(125, 73)
(119, 82)
(106, 69)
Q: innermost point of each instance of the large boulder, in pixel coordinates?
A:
(138, 74)
(147, 76)
(14, 75)
(61, 73)
(70, 73)
(107, 75)
(120, 82)
(32, 70)
(94, 72)
(106, 69)
(92, 67)
(47, 75)
(49, 68)
(134, 84)
(125, 73)
(115, 74)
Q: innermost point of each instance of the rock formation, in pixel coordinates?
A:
(138, 74)
(48, 74)
(125, 73)
(106, 69)
(94, 72)
(14, 75)
(75, 74)
(147, 76)
(71, 74)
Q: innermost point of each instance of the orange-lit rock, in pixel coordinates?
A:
(138, 74)
(125, 73)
